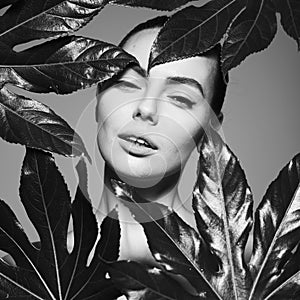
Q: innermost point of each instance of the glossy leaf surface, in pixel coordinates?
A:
(49, 271)
(154, 4)
(290, 17)
(276, 234)
(222, 202)
(33, 124)
(63, 65)
(27, 20)
(5, 3)
(140, 282)
(213, 259)
(193, 30)
(252, 31)
(172, 242)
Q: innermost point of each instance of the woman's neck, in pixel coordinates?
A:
(164, 192)
(133, 243)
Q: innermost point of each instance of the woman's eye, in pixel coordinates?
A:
(124, 84)
(182, 101)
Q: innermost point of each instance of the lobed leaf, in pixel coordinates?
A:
(252, 31)
(33, 124)
(11, 233)
(5, 3)
(175, 245)
(47, 202)
(140, 282)
(276, 234)
(14, 241)
(193, 30)
(222, 202)
(49, 270)
(154, 4)
(290, 17)
(63, 65)
(28, 20)
(288, 290)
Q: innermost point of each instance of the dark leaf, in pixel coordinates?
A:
(14, 241)
(109, 243)
(33, 124)
(252, 31)
(222, 202)
(173, 243)
(85, 234)
(50, 271)
(63, 65)
(290, 17)
(276, 234)
(11, 233)
(145, 283)
(193, 30)
(289, 290)
(5, 3)
(28, 20)
(46, 199)
(82, 174)
(154, 4)
(91, 282)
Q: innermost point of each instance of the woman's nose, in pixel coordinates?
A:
(146, 110)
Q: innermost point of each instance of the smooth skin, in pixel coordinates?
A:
(170, 105)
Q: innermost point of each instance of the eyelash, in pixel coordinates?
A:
(182, 100)
(127, 84)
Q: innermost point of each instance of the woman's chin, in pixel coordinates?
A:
(140, 180)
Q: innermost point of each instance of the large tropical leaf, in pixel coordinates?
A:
(27, 20)
(252, 31)
(5, 3)
(147, 283)
(154, 4)
(193, 30)
(223, 209)
(276, 234)
(33, 124)
(290, 17)
(63, 65)
(213, 259)
(173, 243)
(50, 270)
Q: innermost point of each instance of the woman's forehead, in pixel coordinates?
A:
(139, 45)
(200, 68)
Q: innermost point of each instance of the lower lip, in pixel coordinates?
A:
(136, 149)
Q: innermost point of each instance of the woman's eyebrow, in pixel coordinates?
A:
(187, 80)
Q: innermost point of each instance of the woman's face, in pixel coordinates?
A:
(148, 124)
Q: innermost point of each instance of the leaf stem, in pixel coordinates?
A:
(21, 287)
(272, 245)
(32, 264)
(50, 234)
(226, 226)
(181, 250)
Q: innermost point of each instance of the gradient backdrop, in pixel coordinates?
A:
(261, 111)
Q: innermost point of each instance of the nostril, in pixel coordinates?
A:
(146, 110)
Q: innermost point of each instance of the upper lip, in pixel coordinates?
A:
(127, 136)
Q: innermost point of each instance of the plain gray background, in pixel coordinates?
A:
(261, 111)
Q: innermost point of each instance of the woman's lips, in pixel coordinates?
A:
(139, 140)
(137, 147)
